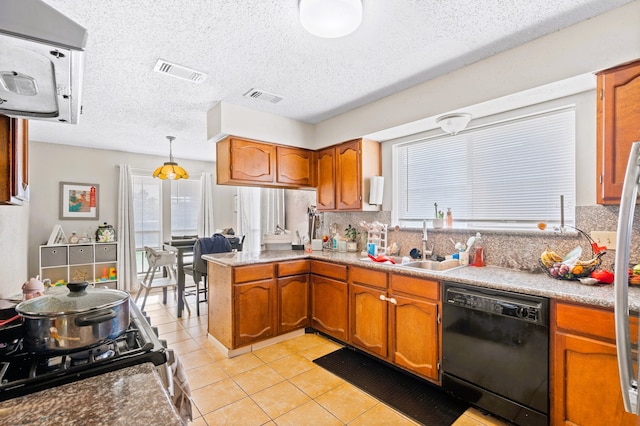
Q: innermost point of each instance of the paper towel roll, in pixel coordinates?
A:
(375, 190)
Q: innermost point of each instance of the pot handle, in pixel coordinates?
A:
(96, 318)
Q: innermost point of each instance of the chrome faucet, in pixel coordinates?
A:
(424, 242)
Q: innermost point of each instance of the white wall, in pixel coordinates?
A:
(53, 163)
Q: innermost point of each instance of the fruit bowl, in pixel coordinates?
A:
(568, 267)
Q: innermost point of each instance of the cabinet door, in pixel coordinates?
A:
(254, 311)
(295, 166)
(413, 335)
(368, 325)
(14, 161)
(586, 384)
(618, 114)
(329, 306)
(293, 303)
(348, 176)
(326, 188)
(252, 161)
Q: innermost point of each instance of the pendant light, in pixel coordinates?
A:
(170, 169)
(330, 18)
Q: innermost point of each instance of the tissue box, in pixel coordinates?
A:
(316, 245)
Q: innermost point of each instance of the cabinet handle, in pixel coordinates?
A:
(388, 299)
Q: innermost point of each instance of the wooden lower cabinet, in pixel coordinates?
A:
(329, 306)
(368, 310)
(398, 321)
(414, 325)
(293, 303)
(254, 311)
(585, 385)
(368, 319)
(414, 336)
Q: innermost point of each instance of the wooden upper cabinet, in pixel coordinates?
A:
(295, 166)
(14, 161)
(348, 176)
(242, 161)
(253, 163)
(618, 115)
(344, 183)
(326, 188)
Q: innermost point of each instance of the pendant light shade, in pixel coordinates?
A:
(453, 123)
(170, 169)
(330, 18)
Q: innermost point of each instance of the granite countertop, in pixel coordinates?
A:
(129, 396)
(489, 276)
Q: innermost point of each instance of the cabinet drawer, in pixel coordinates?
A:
(80, 254)
(106, 253)
(416, 286)
(294, 267)
(245, 274)
(331, 270)
(53, 256)
(367, 277)
(590, 321)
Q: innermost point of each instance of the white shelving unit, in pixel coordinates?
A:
(379, 238)
(91, 262)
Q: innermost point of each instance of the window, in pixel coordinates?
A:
(149, 222)
(509, 175)
(185, 205)
(147, 215)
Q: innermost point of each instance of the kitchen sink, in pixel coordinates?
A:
(432, 265)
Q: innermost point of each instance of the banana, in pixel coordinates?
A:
(549, 257)
(591, 262)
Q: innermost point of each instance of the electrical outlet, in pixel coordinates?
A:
(605, 238)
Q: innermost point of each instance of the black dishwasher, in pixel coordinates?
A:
(495, 351)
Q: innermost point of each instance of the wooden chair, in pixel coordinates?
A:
(159, 260)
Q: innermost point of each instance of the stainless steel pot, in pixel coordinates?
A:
(73, 319)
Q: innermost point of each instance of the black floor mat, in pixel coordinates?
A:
(417, 399)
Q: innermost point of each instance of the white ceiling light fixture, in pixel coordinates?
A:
(453, 123)
(330, 18)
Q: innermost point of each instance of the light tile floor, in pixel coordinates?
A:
(275, 385)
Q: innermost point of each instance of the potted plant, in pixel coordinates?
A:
(351, 234)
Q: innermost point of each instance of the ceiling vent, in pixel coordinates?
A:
(263, 96)
(179, 71)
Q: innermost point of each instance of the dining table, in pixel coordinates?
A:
(183, 248)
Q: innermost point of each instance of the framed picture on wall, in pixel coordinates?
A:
(79, 200)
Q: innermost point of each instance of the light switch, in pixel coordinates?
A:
(605, 238)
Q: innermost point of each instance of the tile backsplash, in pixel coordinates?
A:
(518, 250)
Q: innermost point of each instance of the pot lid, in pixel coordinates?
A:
(77, 299)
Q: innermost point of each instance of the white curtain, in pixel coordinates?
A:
(205, 214)
(259, 211)
(127, 276)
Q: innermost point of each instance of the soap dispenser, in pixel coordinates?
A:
(478, 257)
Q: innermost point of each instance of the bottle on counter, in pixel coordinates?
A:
(478, 250)
(449, 218)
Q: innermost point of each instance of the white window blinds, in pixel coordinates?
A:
(509, 175)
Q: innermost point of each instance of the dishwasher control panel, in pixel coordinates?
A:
(497, 304)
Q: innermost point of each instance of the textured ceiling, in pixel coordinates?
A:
(244, 44)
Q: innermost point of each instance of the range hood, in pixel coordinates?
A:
(41, 62)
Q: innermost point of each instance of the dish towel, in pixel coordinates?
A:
(181, 391)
